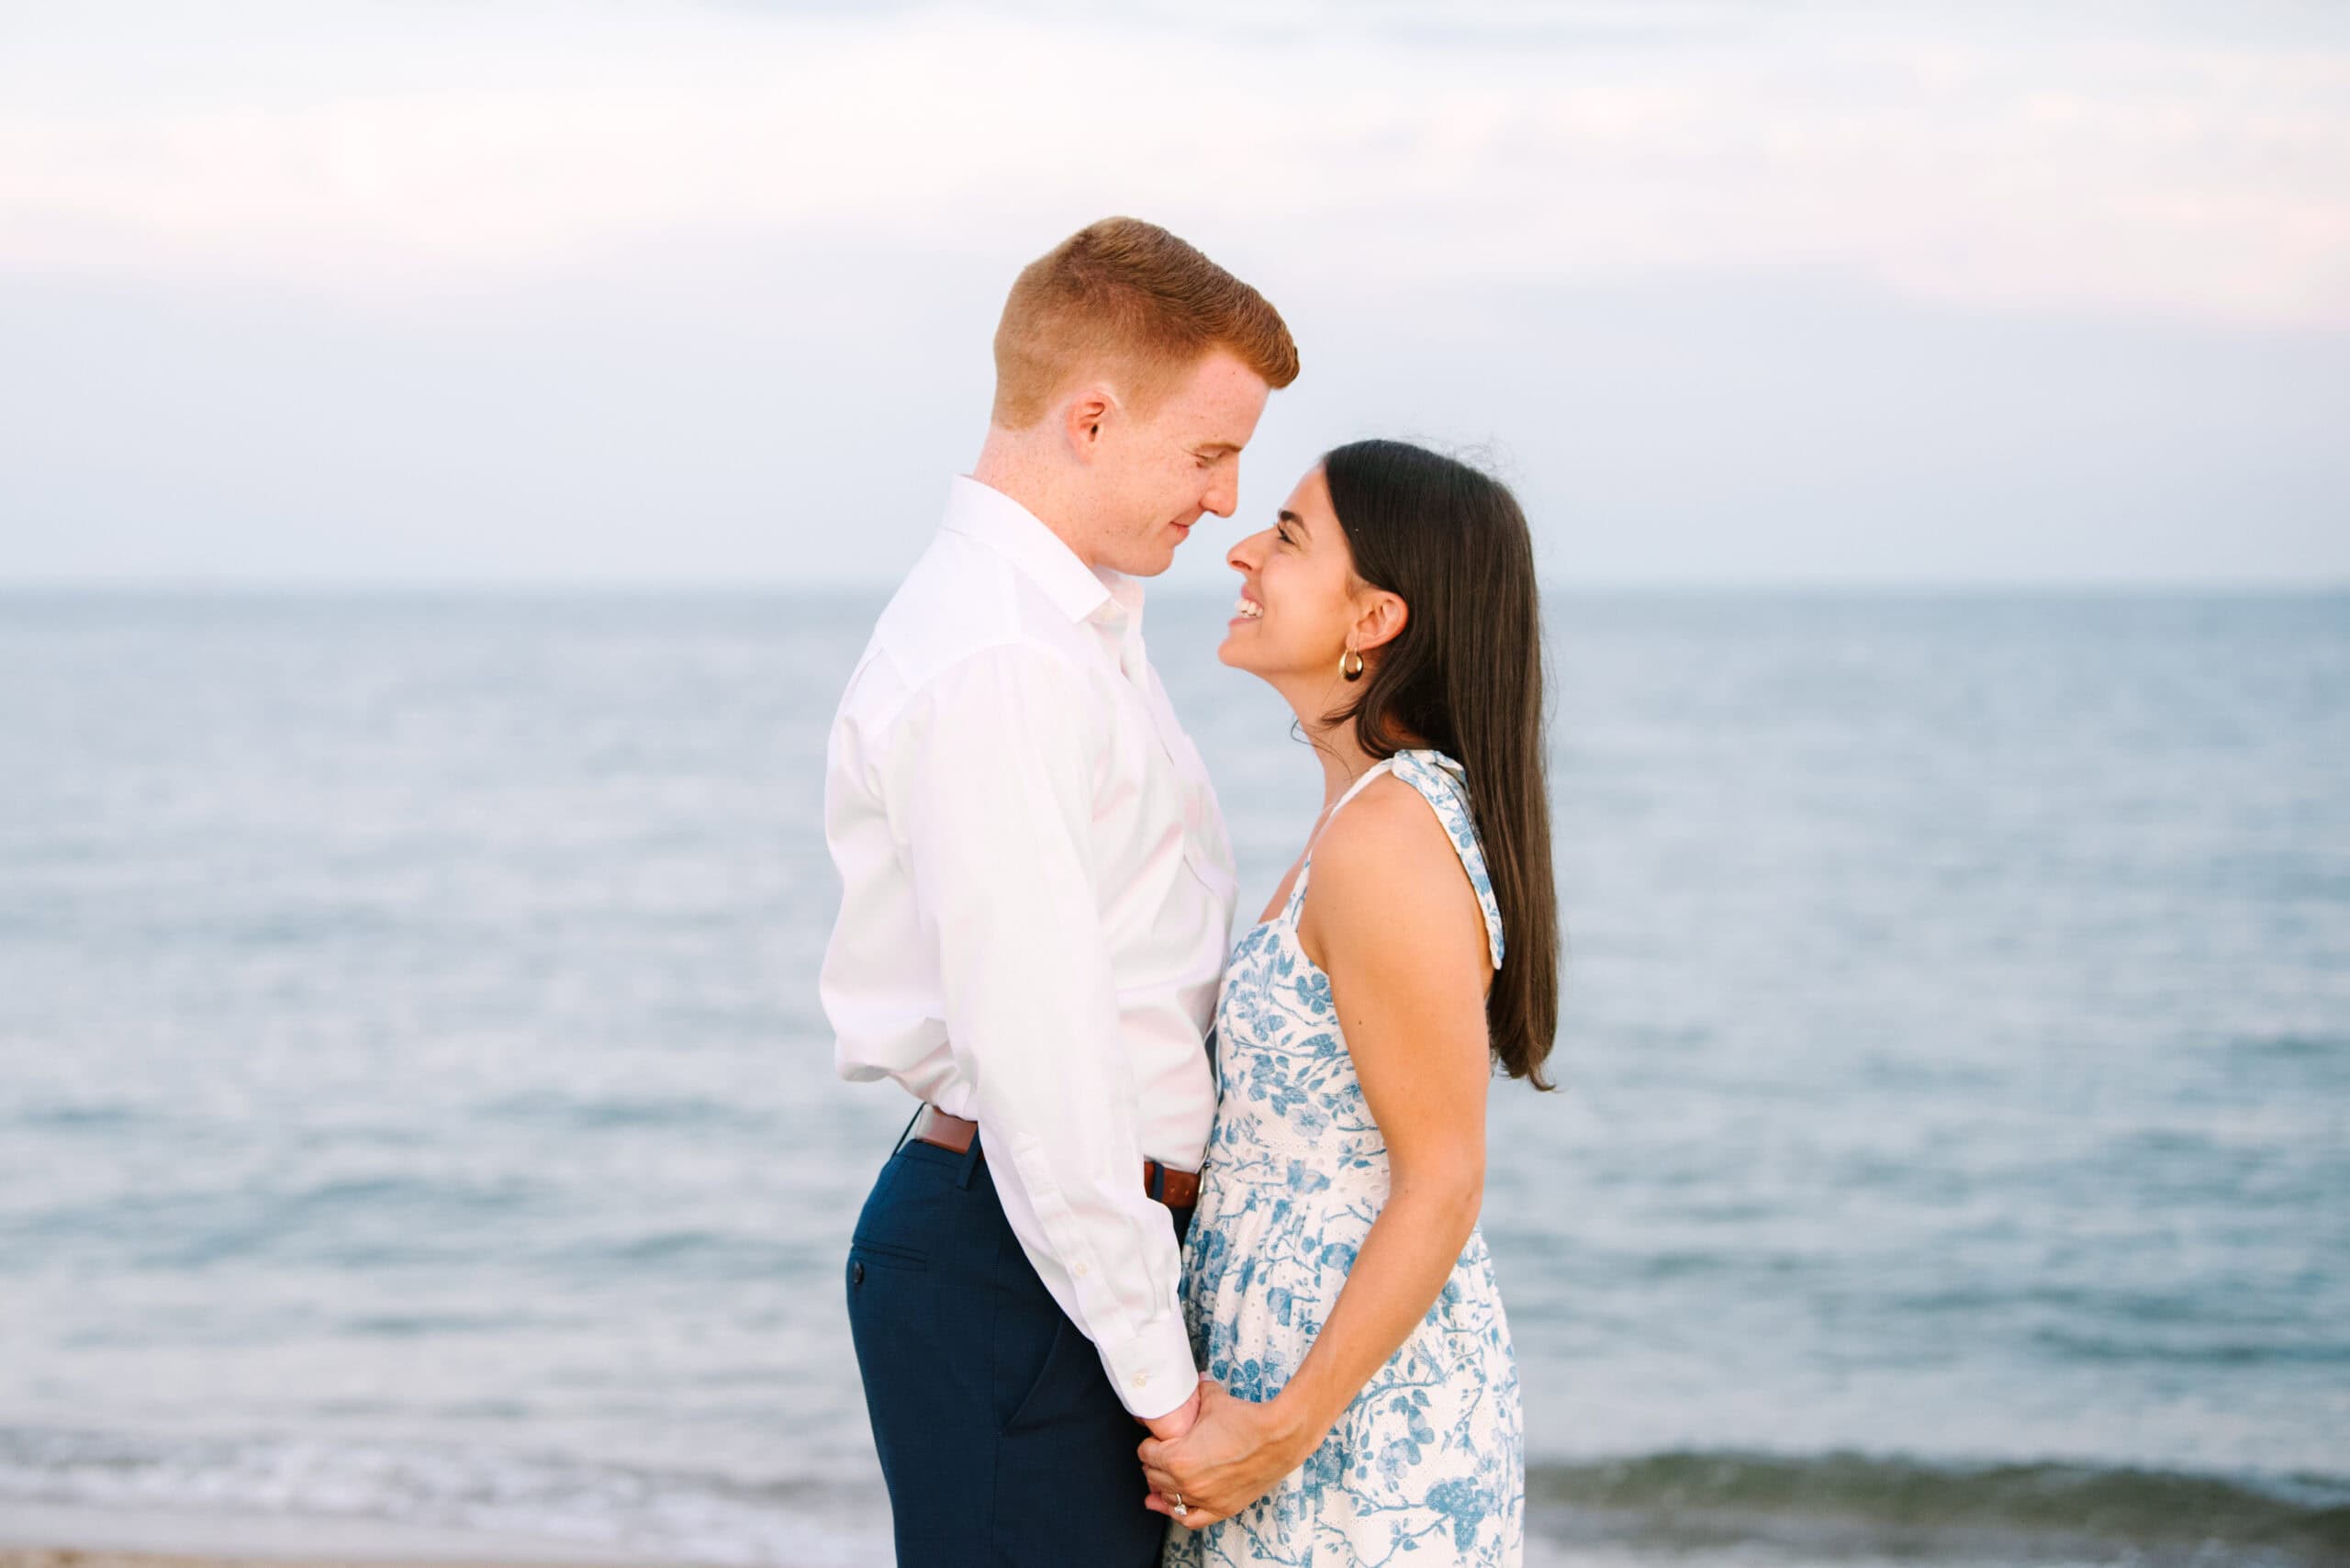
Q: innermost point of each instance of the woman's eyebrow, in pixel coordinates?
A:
(1292, 517)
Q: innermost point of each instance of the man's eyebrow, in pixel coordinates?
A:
(1218, 446)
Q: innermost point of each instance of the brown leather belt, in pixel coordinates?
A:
(1175, 1189)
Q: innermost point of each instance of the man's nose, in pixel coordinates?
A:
(1223, 497)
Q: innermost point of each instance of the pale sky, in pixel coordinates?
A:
(613, 293)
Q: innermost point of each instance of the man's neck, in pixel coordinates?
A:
(1007, 466)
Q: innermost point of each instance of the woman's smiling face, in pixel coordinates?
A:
(1297, 592)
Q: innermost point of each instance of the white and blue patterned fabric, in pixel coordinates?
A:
(1428, 1466)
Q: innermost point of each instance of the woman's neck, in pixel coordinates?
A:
(1341, 754)
(1336, 745)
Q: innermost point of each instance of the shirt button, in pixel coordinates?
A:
(1078, 1271)
(1139, 1379)
(856, 1273)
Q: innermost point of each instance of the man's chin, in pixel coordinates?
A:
(1150, 564)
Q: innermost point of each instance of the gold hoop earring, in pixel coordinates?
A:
(1354, 674)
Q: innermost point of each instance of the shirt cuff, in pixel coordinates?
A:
(1153, 1372)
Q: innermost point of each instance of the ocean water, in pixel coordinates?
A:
(417, 1125)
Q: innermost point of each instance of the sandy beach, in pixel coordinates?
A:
(56, 1556)
(43, 1557)
(165, 1539)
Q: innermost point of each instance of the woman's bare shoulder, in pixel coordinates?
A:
(1387, 879)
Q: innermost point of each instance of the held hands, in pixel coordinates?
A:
(1226, 1458)
(1175, 1422)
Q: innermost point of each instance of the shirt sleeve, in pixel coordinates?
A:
(995, 794)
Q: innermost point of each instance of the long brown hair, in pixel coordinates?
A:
(1465, 676)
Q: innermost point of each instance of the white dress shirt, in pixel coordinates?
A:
(1036, 905)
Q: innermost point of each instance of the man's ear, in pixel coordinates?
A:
(1083, 418)
(1378, 618)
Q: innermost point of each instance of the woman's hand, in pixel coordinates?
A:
(1234, 1454)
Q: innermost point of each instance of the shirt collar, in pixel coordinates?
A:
(983, 514)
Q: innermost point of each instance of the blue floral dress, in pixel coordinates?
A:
(1428, 1466)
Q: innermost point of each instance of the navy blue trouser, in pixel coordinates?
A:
(1001, 1438)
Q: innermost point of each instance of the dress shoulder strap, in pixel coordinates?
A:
(1297, 894)
(1444, 784)
(1386, 764)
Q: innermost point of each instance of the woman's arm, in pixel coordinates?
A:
(1390, 917)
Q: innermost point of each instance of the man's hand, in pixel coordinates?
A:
(1175, 1422)
(1232, 1455)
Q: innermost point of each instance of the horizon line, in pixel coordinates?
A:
(614, 587)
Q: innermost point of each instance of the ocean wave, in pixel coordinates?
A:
(617, 1511)
(1671, 1506)
(1848, 1503)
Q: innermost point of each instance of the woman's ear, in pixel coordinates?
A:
(1378, 618)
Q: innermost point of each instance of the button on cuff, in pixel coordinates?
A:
(1153, 1372)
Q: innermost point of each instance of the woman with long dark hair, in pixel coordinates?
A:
(1336, 1284)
